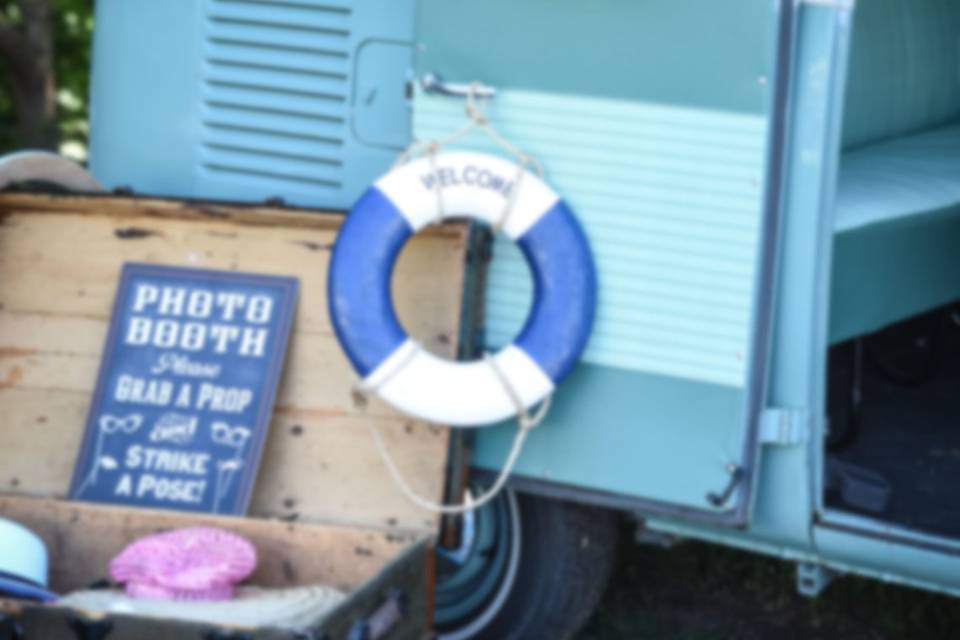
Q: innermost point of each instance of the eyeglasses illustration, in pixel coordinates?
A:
(112, 424)
(223, 433)
(108, 425)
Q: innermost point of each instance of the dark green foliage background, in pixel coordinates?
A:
(73, 31)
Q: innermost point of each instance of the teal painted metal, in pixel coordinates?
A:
(650, 50)
(907, 66)
(670, 199)
(249, 100)
(864, 545)
(895, 246)
(896, 242)
(653, 118)
(787, 476)
(637, 420)
(789, 518)
(667, 176)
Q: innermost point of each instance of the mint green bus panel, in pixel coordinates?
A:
(896, 240)
(652, 120)
(250, 100)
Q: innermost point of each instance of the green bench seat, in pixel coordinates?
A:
(897, 231)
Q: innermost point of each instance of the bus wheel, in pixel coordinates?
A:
(526, 567)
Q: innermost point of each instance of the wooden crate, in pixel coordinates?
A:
(324, 508)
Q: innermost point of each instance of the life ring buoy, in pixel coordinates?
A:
(415, 381)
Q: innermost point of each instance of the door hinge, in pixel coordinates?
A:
(781, 426)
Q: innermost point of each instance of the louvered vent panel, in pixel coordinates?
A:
(275, 92)
(671, 200)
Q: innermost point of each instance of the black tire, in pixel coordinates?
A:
(565, 557)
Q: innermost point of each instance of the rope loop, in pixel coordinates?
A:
(525, 423)
(361, 402)
(475, 108)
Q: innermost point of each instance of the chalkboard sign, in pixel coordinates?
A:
(186, 389)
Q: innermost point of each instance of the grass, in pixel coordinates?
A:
(702, 592)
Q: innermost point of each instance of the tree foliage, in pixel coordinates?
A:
(43, 102)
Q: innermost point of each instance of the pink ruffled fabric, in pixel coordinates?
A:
(199, 563)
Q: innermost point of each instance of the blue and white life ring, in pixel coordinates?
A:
(415, 381)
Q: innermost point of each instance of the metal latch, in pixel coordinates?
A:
(433, 83)
(781, 426)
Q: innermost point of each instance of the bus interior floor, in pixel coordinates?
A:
(902, 463)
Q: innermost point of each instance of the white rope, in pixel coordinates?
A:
(525, 424)
(475, 109)
(477, 119)
(445, 509)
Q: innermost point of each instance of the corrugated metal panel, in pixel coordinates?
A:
(250, 99)
(276, 88)
(671, 199)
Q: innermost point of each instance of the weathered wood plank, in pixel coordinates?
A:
(83, 538)
(59, 262)
(40, 351)
(316, 466)
(68, 264)
(237, 214)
